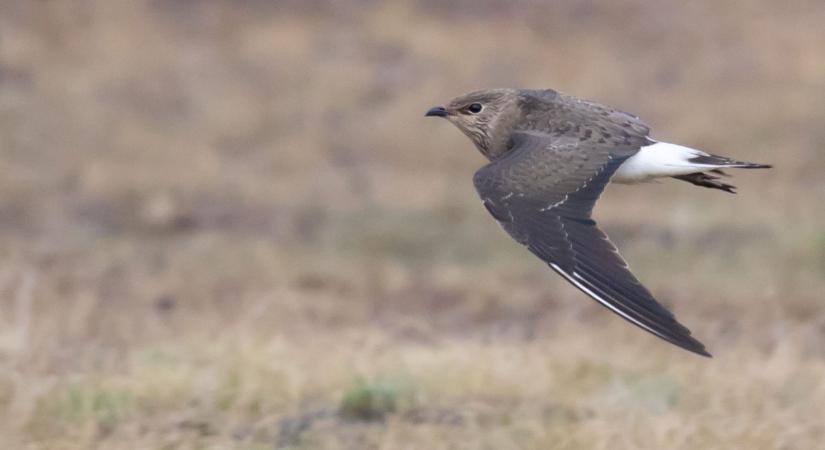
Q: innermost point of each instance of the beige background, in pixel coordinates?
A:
(219, 221)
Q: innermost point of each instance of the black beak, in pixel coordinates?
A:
(436, 111)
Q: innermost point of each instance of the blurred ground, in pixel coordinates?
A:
(228, 225)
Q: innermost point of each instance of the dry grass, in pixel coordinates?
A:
(228, 225)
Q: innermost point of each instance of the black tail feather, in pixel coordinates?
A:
(707, 180)
(709, 177)
(713, 160)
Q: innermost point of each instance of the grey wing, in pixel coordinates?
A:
(543, 195)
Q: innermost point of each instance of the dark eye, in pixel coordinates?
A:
(475, 108)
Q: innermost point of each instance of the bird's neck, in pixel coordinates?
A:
(497, 142)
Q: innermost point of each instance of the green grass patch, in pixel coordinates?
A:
(370, 400)
(78, 404)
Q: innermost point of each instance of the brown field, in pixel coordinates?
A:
(227, 225)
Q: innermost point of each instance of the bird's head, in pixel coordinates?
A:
(486, 117)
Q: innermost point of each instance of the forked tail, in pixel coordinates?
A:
(711, 178)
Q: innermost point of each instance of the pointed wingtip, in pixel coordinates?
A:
(704, 353)
(692, 345)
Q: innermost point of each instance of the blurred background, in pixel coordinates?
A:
(229, 225)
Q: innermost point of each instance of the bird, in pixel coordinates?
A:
(550, 157)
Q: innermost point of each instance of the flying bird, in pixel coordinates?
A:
(551, 156)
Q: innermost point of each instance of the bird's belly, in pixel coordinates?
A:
(657, 160)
